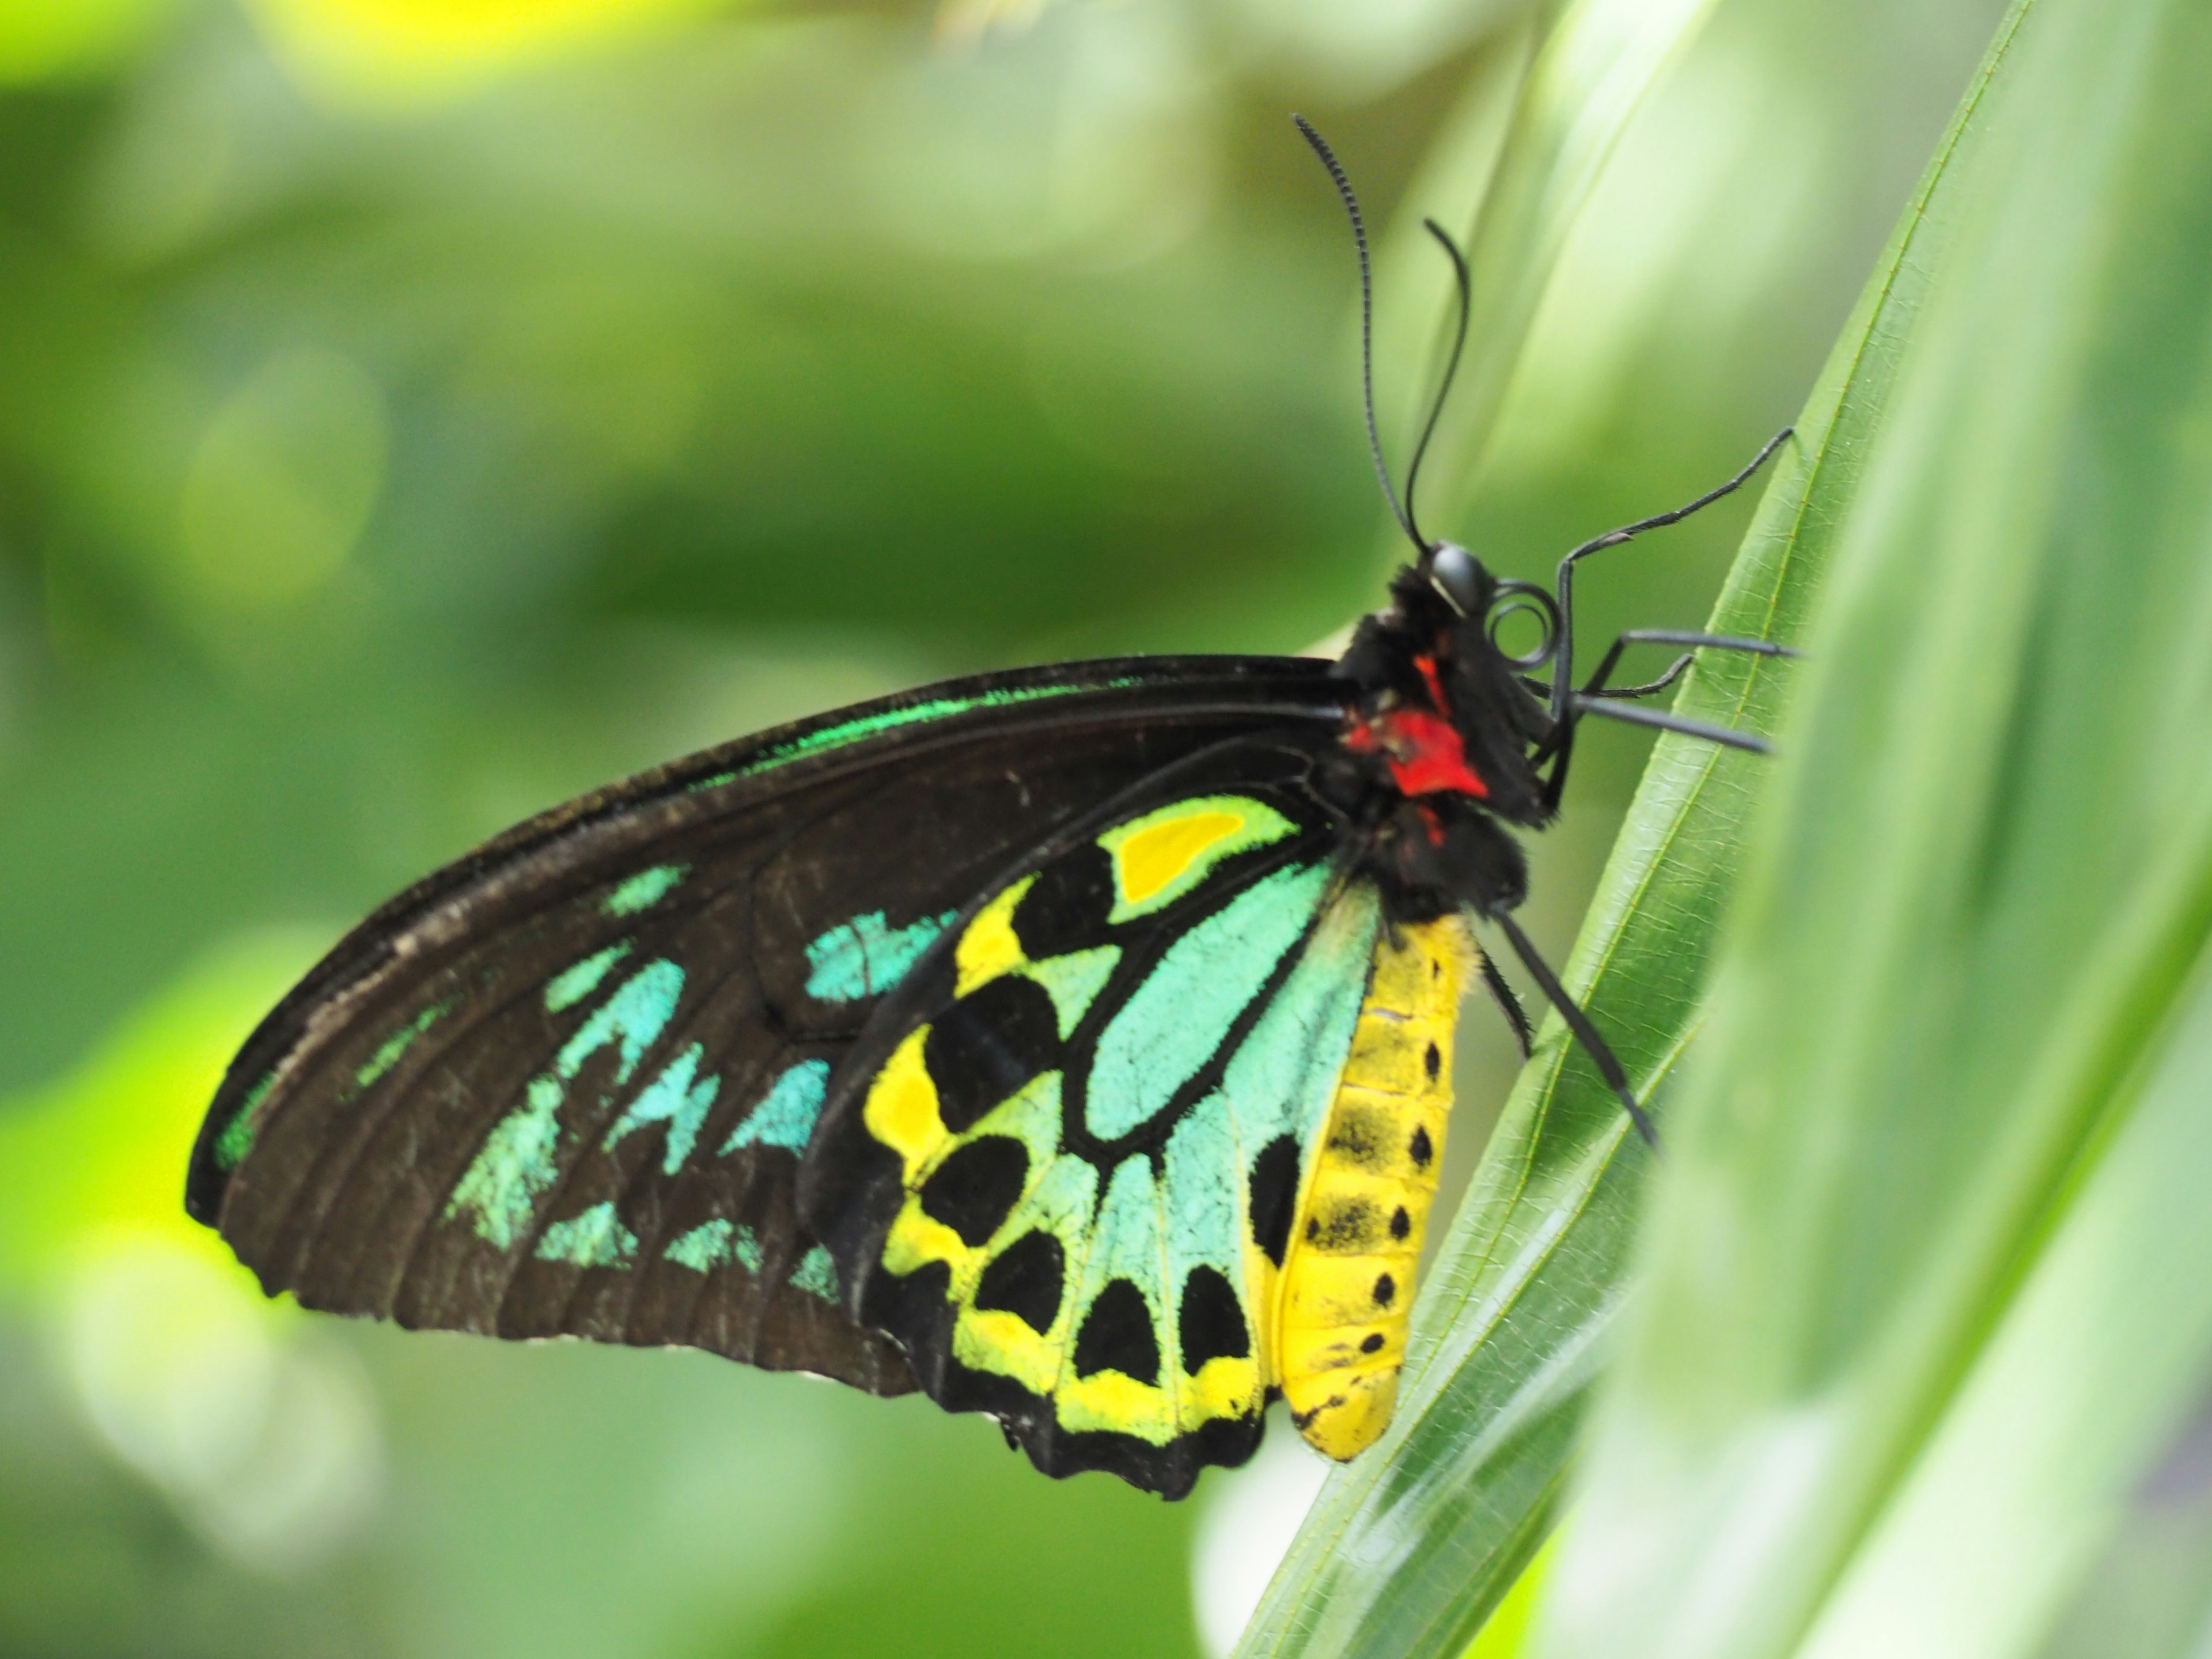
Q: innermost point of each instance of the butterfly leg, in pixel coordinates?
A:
(1595, 1046)
(1508, 1005)
(1563, 654)
(1727, 737)
(1598, 698)
(1675, 670)
(1595, 686)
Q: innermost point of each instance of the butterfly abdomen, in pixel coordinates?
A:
(1347, 1279)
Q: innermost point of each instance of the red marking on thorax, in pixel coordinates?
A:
(1422, 748)
(1426, 756)
(1429, 675)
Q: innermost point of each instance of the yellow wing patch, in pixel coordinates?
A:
(902, 1109)
(1147, 862)
(989, 947)
(1346, 1286)
(1161, 856)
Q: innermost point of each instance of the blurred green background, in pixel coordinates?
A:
(414, 413)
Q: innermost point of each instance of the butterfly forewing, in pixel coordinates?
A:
(1061, 1166)
(562, 1086)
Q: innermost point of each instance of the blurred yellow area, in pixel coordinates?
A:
(405, 52)
(1506, 1634)
(399, 52)
(359, 52)
(262, 1435)
(111, 1139)
(41, 39)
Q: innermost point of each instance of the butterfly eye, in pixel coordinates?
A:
(1512, 599)
(1454, 573)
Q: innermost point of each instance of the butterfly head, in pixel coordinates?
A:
(1484, 608)
(1444, 733)
(1460, 579)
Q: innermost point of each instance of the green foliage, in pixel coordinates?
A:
(1921, 1309)
(1918, 1358)
(410, 415)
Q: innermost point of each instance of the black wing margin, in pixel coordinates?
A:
(560, 1087)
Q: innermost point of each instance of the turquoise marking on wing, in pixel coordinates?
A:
(817, 1274)
(1202, 1200)
(516, 1165)
(572, 985)
(633, 1017)
(678, 1097)
(1203, 1189)
(236, 1140)
(1283, 1075)
(834, 737)
(1031, 1116)
(712, 1244)
(1074, 980)
(745, 1244)
(1062, 1196)
(1128, 1242)
(396, 1045)
(786, 1115)
(511, 1172)
(1174, 1022)
(867, 956)
(596, 1239)
(645, 889)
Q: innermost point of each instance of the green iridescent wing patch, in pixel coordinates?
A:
(563, 1086)
(1060, 1165)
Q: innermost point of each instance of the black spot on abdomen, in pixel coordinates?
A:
(1211, 1325)
(973, 1191)
(988, 1045)
(1420, 1148)
(1025, 1279)
(1344, 1226)
(1273, 1195)
(1117, 1336)
(1362, 1135)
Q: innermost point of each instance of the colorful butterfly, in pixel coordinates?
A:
(1073, 1043)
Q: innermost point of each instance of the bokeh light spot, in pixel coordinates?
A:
(396, 53)
(284, 480)
(264, 1436)
(1251, 1514)
(43, 40)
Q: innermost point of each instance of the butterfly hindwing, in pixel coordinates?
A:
(1063, 1165)
(562, 1086)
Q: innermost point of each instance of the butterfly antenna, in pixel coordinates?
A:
(1366, 323)
(1451, 369)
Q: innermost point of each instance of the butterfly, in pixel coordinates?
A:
(1072, 1044)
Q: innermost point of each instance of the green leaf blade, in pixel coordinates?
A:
(1409, 1550)
(1573, 98)
(1977, 901)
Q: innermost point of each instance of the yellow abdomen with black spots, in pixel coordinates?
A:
(1346, 1284)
